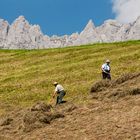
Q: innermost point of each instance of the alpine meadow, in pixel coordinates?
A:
(26, 76)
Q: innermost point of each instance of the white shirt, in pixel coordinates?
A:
(105, 67)
(58, 88)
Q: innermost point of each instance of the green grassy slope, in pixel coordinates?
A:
(26, 76)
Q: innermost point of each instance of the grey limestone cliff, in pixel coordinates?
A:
(22, 35)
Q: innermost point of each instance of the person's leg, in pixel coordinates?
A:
(57, 100)
(61, 95)
(103, 75)
(109, 76)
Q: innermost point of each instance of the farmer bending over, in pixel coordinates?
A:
(59, 91)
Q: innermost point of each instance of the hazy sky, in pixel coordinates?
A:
(67, 16)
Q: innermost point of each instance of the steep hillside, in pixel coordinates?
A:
(112, 113)
(27, 76)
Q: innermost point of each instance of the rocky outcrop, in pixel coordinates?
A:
(4, 29)
(108, 30)
(134, 33)
(88, 35)
(123, 32)
(22, 35)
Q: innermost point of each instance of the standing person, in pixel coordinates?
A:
(59, 91)
(106, 70)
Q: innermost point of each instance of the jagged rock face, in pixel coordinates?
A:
(71, 39)
(108, 30)
(38, 40)
(123, 32)
(18, 35)
(22, 35)
(4, 27)
(55, 42)
(134, 33)
(63, 41)
(88, 35)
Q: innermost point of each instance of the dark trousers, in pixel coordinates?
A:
(60, 96)
(106, 75)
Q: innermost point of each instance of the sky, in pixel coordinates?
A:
(126, 10)
(60, 17)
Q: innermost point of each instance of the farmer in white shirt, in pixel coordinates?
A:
(106, 70)
(59, 91)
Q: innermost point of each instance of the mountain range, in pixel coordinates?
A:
(22, 35)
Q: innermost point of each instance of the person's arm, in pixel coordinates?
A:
(103, 69)
(54, 94)
(55, 91)
(106, 72)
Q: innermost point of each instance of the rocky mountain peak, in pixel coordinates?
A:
(89, 26)
(3, 24)
(22, 35)
(20, 23)
(88, 35)
(20, 19)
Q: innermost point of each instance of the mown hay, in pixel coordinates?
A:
(126, 85)
(38, 116)
(99, 86)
